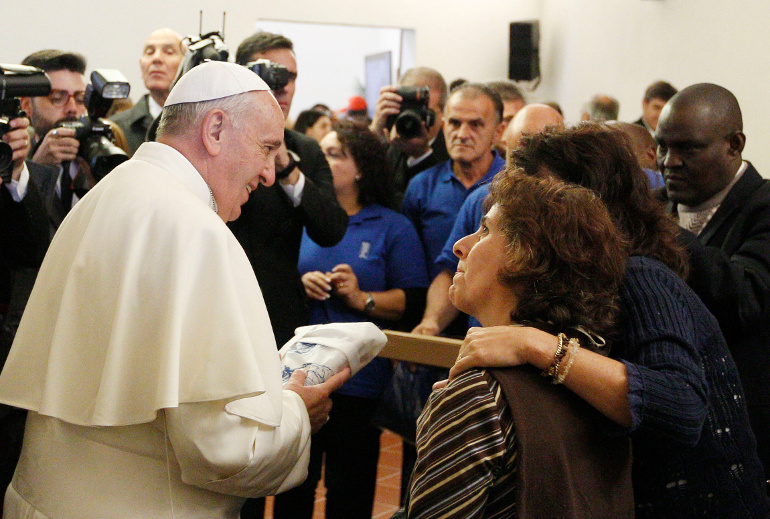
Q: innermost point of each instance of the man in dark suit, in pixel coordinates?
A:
(725, 204)
(162, 53)
(271, 222)
(409, 156)
(24, 238)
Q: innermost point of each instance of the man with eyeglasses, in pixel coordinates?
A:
(65, 102)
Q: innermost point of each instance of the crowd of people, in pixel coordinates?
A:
(610, 282)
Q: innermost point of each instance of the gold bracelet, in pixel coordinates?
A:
(553, 369)
(572, 349)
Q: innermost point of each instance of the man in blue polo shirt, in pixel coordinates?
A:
(472, 124)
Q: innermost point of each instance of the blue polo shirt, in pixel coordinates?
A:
(432, 201)
(384, 251)
(655, 178)
(467, 222)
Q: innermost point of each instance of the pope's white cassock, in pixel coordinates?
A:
(147, 361)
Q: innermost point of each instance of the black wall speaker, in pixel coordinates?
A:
(524, 58)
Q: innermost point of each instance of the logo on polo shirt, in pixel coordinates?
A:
(365, 248)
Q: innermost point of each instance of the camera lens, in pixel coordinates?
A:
(409, 124)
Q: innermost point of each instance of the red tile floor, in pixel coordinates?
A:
(388, 482)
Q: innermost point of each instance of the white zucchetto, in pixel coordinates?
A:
(214, 80)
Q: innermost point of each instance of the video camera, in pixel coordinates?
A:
(93, 131)
(206, 47)
(276, 76)
(16, 81)
(414, 111)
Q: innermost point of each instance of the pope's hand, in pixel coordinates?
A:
(316, 397)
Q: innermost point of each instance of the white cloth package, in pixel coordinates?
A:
(325, 349)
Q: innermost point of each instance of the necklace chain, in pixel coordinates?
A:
(213, 200)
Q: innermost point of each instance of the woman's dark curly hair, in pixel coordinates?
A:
(371, 158)
(598, 157)
(566, 259)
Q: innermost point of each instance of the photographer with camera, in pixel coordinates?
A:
(423, 146)
(271, 222)
(53, 146)
(66, 102)
(69, 130)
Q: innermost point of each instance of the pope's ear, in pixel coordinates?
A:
(212, 130)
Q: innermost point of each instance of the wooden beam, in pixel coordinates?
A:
(421, 349)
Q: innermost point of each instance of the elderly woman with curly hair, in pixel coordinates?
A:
(510, 442)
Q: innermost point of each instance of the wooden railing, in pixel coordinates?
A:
(421, 349)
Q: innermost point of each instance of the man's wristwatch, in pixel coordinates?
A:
(369, 305)
(285, 172)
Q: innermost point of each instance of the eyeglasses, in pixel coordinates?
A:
(62, 97)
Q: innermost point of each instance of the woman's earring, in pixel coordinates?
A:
(358, 177)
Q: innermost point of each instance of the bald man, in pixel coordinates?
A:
(161, 55)
(724, 202)
(645, 149)
(601, 108)
(530, 119)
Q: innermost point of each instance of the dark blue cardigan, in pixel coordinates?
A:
(694, 452)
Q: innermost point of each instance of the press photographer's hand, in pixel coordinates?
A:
(18, 139)
(389, 103)
(59, 145)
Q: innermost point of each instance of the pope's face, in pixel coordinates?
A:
(250, 153)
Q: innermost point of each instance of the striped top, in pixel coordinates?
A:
(466, 452)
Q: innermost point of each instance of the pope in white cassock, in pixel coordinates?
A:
(145, 355)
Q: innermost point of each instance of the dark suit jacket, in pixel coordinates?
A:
(730, 271)
(24, 238)
(135, 122)
(270, 231)
(402, 173)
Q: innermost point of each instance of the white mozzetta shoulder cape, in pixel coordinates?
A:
(145, 300)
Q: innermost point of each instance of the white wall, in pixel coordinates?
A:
(621, 46)
(587, 46)
(331, 70)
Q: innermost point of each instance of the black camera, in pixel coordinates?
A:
(16, 81)
(276, 76)
(94, 132)
(414, 111)
(206, 47)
